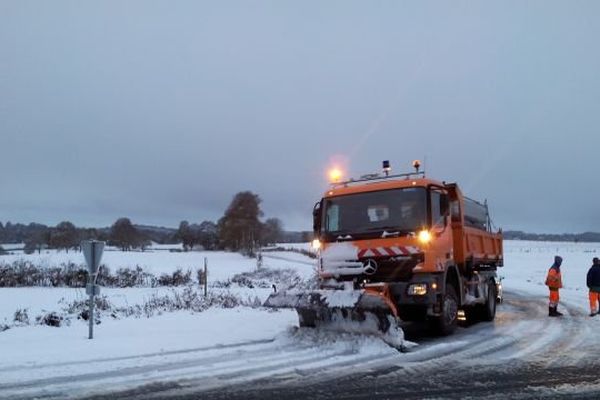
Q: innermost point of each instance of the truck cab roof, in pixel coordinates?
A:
(361, 186)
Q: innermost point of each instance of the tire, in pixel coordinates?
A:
(306, 318)
(488, 311)
(472, 314)
(446, 323)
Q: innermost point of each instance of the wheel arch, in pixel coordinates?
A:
(452, 276)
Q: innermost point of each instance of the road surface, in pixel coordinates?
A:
(523, 354)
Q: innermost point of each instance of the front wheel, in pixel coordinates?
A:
(306, 318)
(447, 322)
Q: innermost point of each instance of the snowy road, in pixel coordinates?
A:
(523, 351)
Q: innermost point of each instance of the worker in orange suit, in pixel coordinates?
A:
(593, 283)
(554, 283)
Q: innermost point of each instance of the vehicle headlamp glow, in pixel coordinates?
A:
(424, 236)
(417, 289)
(316, 244)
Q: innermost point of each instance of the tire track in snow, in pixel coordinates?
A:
(220, 361)
(234, 364)
(140, 356)
(522, 332)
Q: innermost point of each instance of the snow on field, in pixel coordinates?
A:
(296, 246)
(222, 265)
(12, 246)
(40, 300)
(527, 262)
(132, 336)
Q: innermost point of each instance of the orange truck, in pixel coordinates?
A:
(401, 246)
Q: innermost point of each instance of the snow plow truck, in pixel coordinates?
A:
(397, 248)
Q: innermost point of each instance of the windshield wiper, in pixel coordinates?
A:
(347, 237)
(386, 234)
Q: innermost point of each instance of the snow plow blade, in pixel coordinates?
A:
(334, 299)
(352, 311)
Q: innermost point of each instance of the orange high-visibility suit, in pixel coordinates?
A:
(593, 283)
(554, 282)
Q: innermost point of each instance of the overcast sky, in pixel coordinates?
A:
(163, 110)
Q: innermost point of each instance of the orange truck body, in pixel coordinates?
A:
(451, 251)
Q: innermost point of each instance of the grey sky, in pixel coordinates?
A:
(162, 111)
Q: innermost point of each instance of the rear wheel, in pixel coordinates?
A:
(446, 323)
(488, 312)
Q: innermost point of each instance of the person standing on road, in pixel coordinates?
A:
(593, 283)
(554, 282)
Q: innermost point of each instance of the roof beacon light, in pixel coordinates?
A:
(335, 175)
(386, 167)
(417, 165)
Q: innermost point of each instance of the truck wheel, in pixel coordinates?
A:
(306, 318)
(446, 323)
(472, 314)
(488, 313)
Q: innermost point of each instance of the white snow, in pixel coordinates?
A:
(527, 263)
(337, 259)
(340, 298)
(135, 336)
(12, 246)
(175, 345)
(340, 252)
(221, 265)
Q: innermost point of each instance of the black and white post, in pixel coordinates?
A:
(205, 277)
(92, 251)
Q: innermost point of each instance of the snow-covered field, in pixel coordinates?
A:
(204, 344)
(527, 262)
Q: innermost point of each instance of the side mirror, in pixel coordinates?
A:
(444, 205)
(317, 219)
(455, 210)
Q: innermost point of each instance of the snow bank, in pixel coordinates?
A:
(129, 337)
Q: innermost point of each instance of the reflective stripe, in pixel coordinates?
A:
(388, 251)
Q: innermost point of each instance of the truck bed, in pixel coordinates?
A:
(483, 247)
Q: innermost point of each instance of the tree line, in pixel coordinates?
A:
(241, 228)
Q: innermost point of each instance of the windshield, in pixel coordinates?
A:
(396, 210)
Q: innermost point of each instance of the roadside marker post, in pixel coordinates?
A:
(205, 277)
(92, 251)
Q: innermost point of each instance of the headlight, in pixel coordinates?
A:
(417, 289)
(316, 244)
(424, 236)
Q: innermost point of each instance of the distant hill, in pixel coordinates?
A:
(550, 237)
(19, 233)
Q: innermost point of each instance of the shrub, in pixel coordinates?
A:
(265, 278)
(23, 273)
(21, 317)
(50, 319)
(177, 278)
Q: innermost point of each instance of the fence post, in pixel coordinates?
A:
(205, 277)
(259, 260)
